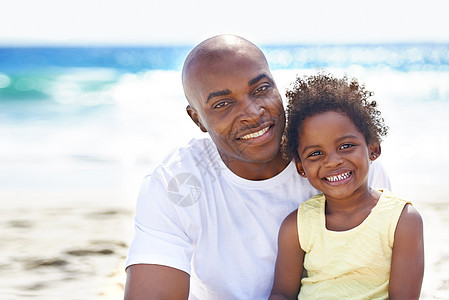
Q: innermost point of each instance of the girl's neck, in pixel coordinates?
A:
(345, 214)
(361, 198)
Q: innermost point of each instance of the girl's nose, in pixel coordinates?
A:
(333, 159)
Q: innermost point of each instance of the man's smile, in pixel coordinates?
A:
(255, 134)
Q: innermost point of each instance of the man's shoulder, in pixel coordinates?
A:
(193, 157)
(192, 150)
(378, 177)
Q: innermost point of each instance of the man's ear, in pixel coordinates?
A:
(299, 167)
(195, 118)
(374, 150)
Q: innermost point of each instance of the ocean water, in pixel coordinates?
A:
(81, 127)
(91, 118)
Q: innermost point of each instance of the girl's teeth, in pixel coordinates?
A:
(338, 177)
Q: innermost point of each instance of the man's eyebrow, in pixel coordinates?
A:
(217, 94)
(258, 78)
(228, 92)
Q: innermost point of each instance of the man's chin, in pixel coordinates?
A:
(264, 156)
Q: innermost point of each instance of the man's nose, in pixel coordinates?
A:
(251, 111)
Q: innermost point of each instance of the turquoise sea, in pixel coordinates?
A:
(123, 107)
(81, 126)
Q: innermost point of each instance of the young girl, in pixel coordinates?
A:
(354, 242)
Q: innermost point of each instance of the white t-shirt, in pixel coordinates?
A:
(195, 215)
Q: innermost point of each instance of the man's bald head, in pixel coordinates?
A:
(216, 50)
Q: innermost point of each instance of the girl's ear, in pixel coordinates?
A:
(195, 118)
(299, 167)
(374, 151)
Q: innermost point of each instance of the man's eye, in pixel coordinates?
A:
(220, 104)
(261, 89)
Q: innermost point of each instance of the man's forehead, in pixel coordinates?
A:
(230, 76)
(230, 64)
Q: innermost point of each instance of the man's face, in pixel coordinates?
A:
(236, 100)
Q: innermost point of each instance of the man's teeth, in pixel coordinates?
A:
(338, 177)
(255, 134)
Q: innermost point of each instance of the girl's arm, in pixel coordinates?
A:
(289, 262)
(407, 263)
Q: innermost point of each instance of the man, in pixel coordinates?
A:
(207, 219)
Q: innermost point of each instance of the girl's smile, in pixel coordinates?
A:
(339, 179)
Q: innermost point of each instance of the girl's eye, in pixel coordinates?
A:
(346, 146)
(314, 153)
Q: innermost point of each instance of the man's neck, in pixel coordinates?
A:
(257, 171)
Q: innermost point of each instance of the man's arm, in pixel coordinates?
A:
(146, 281)
(407, 262)
(159, 242)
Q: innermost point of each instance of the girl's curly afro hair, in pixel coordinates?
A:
(316, 94)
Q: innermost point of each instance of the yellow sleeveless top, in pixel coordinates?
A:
(352, 264)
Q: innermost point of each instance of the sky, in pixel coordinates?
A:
(187, 22)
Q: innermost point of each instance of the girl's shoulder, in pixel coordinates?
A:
(391, 202)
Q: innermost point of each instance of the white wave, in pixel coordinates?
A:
(4, 81)
(146, 118)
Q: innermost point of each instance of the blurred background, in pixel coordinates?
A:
(91, 101)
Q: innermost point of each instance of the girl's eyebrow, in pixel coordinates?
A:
(349, 136)
(309, 147)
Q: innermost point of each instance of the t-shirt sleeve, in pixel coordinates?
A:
(159, 234)
(377, 177)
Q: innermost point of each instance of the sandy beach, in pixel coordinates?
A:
(64, 252)
(67, 251)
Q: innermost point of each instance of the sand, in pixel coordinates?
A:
(64, 252)
(436, 238)
(77, 250)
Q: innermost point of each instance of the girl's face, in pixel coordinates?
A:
(334, 155)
